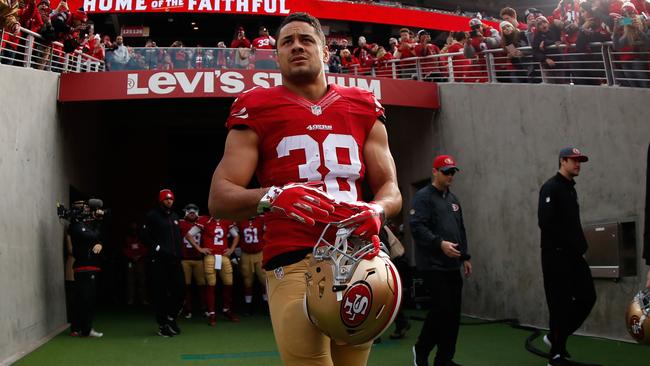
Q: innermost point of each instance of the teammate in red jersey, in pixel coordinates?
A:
(192, 258)
(214, 237)
(303, 131)
(264, 47)
(252, 243)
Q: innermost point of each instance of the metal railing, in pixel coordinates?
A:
(598, 64)
(29, 49)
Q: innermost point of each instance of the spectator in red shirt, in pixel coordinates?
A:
(264, 47)
(240, 39)
(136, 271)
(383, 68)
(406, 49)
(349, 63)
(632, 37)
(461, 65)
(425, 48)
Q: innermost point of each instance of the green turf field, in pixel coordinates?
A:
(129, 339)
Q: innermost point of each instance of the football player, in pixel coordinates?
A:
(251, 258)
(214, 238)
(192, 257)
(294, 136)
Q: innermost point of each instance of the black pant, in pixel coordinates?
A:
(443, 320)
(168, 287)
(570, 294)
(83, 309)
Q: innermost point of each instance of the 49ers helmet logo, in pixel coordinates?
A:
(636, 328)
(356, 304)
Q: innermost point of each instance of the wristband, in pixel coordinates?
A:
(265, 203)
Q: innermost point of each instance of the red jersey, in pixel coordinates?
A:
(214, 233)
(301, 141)
(264, 43)
(252, 232)
(187, 250)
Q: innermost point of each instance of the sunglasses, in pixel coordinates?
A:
(451, 171)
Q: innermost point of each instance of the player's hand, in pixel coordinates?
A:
(304, 202)
(449, 249)
(467, 268)
(369, 218)
(205, 251)
(228, 252)
(97, 248)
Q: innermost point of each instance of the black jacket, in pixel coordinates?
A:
(437, 216)
(549, 38)
(558, 216)
(162, 233)
(84, 236)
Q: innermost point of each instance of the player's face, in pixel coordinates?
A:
(300, 52)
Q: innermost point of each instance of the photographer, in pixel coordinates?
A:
(86, 240)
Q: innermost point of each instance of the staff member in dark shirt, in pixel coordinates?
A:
(441, 250)
(163, 236)
(86, 245)
(569, 288)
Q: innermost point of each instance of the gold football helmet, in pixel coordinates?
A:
(353, 289)
(638, 317)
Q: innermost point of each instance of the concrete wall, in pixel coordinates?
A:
(506, 139)
(32, 304)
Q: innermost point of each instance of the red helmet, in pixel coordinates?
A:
(638, 317)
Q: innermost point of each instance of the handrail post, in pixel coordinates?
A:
(450, 68)
(418, 69)
(394, 69)
(29, 46)
(489, 63)
(608, 64)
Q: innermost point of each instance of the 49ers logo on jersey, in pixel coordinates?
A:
(356, 304)
(636, 329)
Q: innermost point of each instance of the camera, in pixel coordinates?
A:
(82, 211)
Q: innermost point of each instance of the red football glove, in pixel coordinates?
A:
(304, 202)
(369, 218)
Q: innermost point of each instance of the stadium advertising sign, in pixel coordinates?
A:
(224, 83)
(324, 9)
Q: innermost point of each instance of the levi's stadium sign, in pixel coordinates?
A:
(208, 83)
(323, 9)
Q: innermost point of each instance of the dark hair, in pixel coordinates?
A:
(508, 11)
(306, 18)
(459, 36)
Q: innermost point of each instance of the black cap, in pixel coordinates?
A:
(532, 11)
(574, 153)
(423, 32)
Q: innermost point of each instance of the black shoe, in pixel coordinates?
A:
(165, 331)
(446, 363)
(560, 360)
(420, 359)
(173, 326)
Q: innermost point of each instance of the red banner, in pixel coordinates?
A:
(323, 9)
(206, 83)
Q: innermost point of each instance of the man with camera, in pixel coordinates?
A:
(85, 237)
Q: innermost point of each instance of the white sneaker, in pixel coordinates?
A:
(547, 341)
(95, 334)
(188, 315)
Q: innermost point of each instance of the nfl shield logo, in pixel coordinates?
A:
(316, 110)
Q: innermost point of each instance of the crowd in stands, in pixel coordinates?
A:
(537, 47)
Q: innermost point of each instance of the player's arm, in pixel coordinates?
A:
(229, 197)
(380, 170)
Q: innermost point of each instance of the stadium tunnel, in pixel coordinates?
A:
(124, 152)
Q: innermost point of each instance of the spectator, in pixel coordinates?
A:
(349, 63)
(591, 30)
(461, 64)
(120, 55)
(531, 20)
(264, 47)
(10, 23)
(135, 253)
(510, 15)
(162, 235)
(167, 63)
(631, 37)
(240, 40)
(97, 50)
(383, 66)
(344, 45)
(179, 56)
(511, 40)
(545, 42)
(223, 56)
(424, 48)
(151, 55)
(392, 45)
(334, 62)
(405, 49)
(482, 37)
